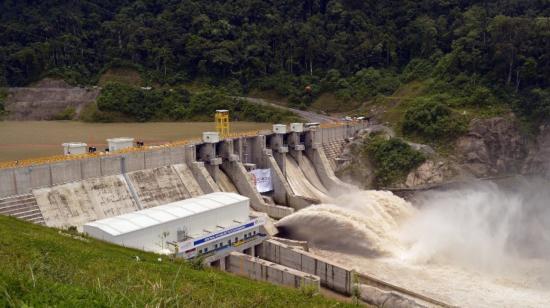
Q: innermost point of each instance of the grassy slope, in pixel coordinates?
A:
(41, 267)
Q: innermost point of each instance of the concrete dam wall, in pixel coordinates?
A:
(74, 192)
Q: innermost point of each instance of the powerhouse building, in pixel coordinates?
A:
(201, 226)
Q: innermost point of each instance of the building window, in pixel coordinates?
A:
(229, 243)
(200, 250)
(236, 239)
(206, 250)
(254, 232)
(215, 246)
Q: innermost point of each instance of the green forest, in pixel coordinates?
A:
(475, 52)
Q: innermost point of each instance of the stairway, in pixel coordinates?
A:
(333, 149)
(23, 207)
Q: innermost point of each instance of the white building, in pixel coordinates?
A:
(191, 227)
(116, 144)
(70, 148)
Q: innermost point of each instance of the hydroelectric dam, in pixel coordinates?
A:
(76, 189)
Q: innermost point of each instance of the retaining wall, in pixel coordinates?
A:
(258, 269)
(332, 276)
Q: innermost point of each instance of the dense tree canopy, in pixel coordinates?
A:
(503, 43)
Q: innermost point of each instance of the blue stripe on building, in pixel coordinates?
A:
(222, 234)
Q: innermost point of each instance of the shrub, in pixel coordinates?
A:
(429, 119)
(393, 159)
(68, 114)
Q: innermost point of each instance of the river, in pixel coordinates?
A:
(30, 139)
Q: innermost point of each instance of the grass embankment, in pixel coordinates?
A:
(44, 267)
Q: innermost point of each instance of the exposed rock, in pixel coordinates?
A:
(429, 172)
(46, 99)
(538, 160)
(355, 169)
(492, 146)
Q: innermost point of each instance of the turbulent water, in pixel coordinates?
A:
(478, 246)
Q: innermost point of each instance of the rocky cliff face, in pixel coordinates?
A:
(492, 146)
(46, 99)
(538, 160)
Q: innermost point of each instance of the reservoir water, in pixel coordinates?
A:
(30, 139)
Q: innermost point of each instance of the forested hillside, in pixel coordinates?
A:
(492, 51)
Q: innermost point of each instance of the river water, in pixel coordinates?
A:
(482, 245)
(30, 139)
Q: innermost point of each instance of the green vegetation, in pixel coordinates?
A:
(485, 54)
(68, 114)
(393, 159)
(433, 120)
(120, 101)
(47, 267)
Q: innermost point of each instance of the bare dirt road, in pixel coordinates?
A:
(307, 115)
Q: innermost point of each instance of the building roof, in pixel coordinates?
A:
(121, 139)
(74, 144)
(130, 222)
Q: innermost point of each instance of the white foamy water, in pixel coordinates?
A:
(480, 246)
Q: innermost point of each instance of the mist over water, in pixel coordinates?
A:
(477, 245)
(483, 226)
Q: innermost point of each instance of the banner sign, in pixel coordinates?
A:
(183, 246)
(262, 180)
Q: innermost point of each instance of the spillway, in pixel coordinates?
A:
(158, 186)
(77, 203)
(188, 180)
(225, 183)
(301, 183)
(311, 175)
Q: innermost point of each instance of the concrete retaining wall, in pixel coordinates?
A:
(41, 176)
(157, 158)
(91, 168)
(65, 172)
(7, 183)
(258, 269)
(23, 180)
(111, 165)
(332, 276)
(134, 162)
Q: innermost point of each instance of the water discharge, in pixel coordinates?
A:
(305, 182)
(225, 183)
(478, 246)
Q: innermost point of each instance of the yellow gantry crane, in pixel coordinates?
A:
(222, 122)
